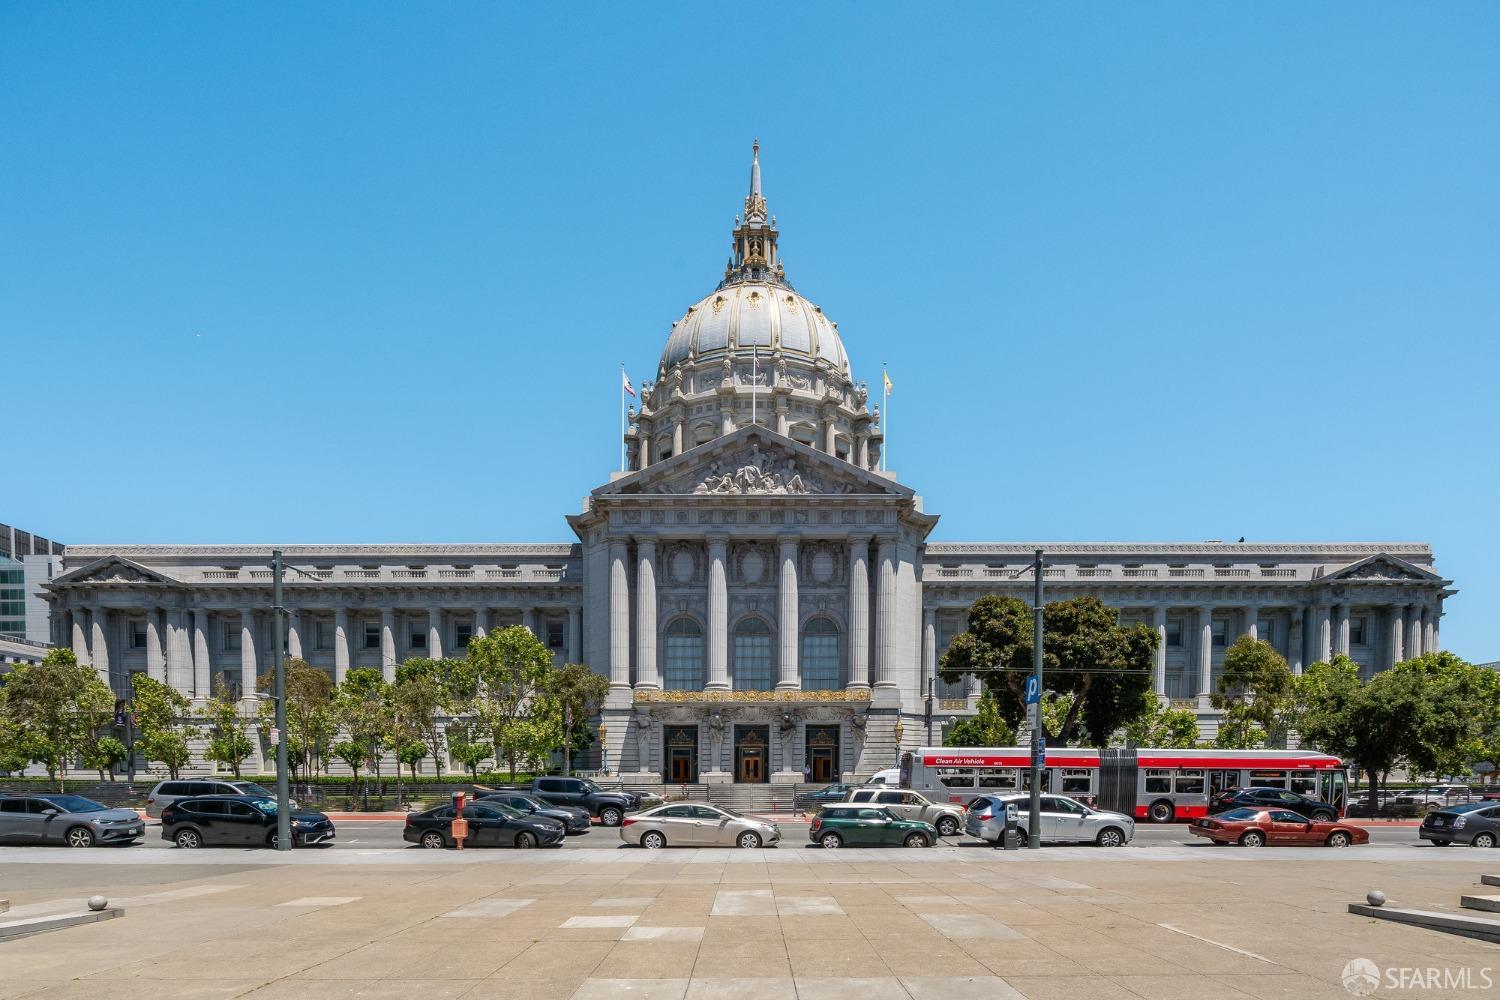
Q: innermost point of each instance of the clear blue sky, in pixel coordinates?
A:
(345, 272)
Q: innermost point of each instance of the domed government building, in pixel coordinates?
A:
(763, 597)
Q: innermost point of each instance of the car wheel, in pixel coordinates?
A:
(434, 841)
(653, 840)
(1110, 837)
(916, 840)
(1162, 812)
(79, 836)
(831, 841)
(273, 840)
(1483, 840)
(1338, 838)
(525, 841)
(188, 839)
(610, 816)
(1441, 843)
(1323, 817)
(749, 840)
(1253, 838)
(947, 827)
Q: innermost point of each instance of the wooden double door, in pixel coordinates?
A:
(681, 754)
(752, 754)
(821, 749)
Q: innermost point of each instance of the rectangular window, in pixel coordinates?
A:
(1158, 782)
(1356, 631)
(997, 777)
(956, 777)
(1174, 633)
(372, 635)
(462, 633)
(1077, 780)
(323, 635)
(137, 635)
(1305, 783)
(231, 635)
(1189, 782)
(554, 635)
(419, 638)
(1266, 632)
(1220, 633)
(1267, 779)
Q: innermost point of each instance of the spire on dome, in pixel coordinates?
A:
(755, 256)
(755, 203)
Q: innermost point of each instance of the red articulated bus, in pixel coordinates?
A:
(1157, 785)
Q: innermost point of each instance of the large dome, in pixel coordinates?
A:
(743, 317)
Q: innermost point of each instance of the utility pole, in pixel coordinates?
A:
(1038, 746)
(283, 788)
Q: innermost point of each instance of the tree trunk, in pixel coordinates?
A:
(1070, 721)
(510, 759)
(1374, 791)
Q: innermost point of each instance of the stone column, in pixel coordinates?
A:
(1205, 651)
(1414, 630)
(249, 669)
(293, 633)
(677, 435)
(1296, 642)
(575, 634)
(434, 633)
(1341, 635)
(789, 676)
(643, 448)
(645, 614)
(859, 612)
(1397, 624)
(929, 651)
(1159, 623)
(1323, 634)
(718, 614)
(179, 652)
(862, 451)
(156, 663)
(340, 644)
(481, 621)
(99, 643)
(388, 644)
(80, 635)
(1429, 629)
(202, 664)
(885, 612)
(830, 433)
(619, 614)
(1252, 620)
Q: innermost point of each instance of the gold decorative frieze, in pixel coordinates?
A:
(707, 697)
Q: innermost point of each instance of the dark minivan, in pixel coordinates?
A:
(238, 821)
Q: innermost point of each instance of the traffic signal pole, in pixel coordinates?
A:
(283, 786)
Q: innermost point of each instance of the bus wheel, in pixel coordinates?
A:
(1162, 812)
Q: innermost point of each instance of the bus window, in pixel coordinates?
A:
(1189, 782)
(1046, 780)
(1305, 783)
(1076, 781)
(997, 777)
(956, 777)
(1158, 781)
(1267, 779)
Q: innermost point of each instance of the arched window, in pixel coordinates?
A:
(820, 655)
(752, 655)
(684, 656)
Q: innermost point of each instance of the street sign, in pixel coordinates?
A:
(1033, 690)
(1041, 746)
(1032, 711)
(275, 736)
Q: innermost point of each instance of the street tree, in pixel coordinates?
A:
(1163, 727)
(228, 742)
(362, 710)
(579, 693)
(309, 714)
(985, 728)
(1256, 693)
(62, 705)
(507, 673)
(159, 711)
(421, 696)
(1105, 667)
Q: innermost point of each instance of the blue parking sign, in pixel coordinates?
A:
(1033, 690)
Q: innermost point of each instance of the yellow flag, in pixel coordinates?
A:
(886, 375)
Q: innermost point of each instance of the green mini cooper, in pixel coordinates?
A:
(868, 826)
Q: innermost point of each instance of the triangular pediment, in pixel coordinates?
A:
(753, 461)
(1383, 566)
(114, 569)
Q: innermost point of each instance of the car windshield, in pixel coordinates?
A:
(1237, 814)
(503, 809)
(75, 803)
(265, 806)
(590, 787)
(250, 788)
(729, 812)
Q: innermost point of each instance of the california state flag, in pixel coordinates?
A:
(625, 383)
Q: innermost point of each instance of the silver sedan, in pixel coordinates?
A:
(1063, 820)
(693, 825)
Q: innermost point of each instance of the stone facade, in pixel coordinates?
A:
(764, 598)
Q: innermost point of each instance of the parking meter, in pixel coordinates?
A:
(460, 827)
(1009, 837)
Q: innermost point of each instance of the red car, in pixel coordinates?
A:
(1277, 827)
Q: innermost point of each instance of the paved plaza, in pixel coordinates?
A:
(949, 923)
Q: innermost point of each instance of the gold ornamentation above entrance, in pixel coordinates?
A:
(646, 696)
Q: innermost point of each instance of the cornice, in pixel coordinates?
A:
(1215, 549)
(501, 549)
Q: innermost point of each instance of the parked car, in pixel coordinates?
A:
(1273, 798)
(1434, 797)
(867, 826)
(1474, 823)
(490, 825)
(239, 821)
(693, 824)
(1063, 820)
(609, 806)
(66, 819)
(890, 776)
(1252, 827)
(573, 818)
(167, 792)
(828, 794)
(948, 819)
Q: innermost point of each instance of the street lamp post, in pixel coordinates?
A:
(1034, 819)
(283, 788)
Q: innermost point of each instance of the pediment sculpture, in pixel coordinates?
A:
(759, 473)
(1381, 570)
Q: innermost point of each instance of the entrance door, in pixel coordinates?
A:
(751, 749)
(822, 753)
(682, 754)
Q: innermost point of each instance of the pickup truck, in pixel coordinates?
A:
(608, 806)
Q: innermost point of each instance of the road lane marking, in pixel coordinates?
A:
(1219, 944)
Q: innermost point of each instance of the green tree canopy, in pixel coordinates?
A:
(579, 693)
(985, 728)
(62, 708)
(1256, 694)
(1162, 727)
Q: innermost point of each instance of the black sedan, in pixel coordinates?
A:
(573, 820)
(490, 825)
(238, 821)
(1274, 798)
(827, 795)
(1474, 823)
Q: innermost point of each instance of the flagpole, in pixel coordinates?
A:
(885, 412)
(754, 380)
(622, 416)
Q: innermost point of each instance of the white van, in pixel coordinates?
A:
(891, 776)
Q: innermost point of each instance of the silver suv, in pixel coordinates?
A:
(1063, 819)
(167, 792)
(912, 805)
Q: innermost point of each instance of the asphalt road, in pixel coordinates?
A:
(367, 835)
